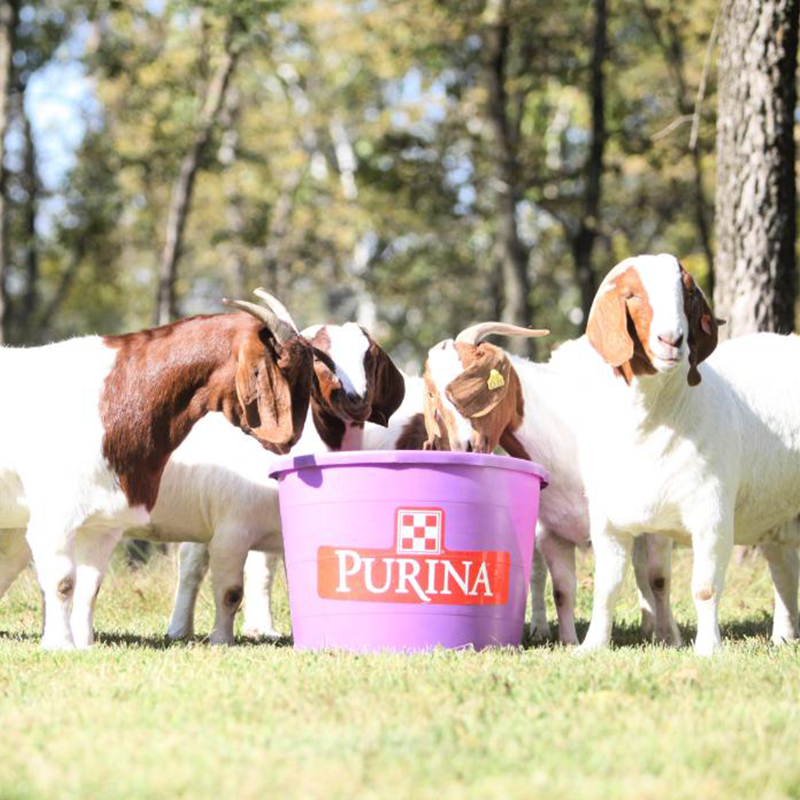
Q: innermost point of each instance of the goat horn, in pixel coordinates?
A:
(475, 333)
(281, 330)
(276, 305)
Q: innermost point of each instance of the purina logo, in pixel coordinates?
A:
(419, 530)
(419, 569)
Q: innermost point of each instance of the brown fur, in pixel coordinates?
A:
(331, 406)
(703, 326)
(438, 419)
(619, 326)
(413, 435)
(386, 387)
(164, 380)
(494, 413)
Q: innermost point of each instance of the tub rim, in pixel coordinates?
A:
(365, 458)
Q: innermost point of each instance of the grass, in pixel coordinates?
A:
(137, 718)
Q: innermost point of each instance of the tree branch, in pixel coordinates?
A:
(181, 197)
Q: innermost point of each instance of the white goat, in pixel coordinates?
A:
(478, 397)
(87, 426)
(405, 431)
(216, 490)
(711, 455)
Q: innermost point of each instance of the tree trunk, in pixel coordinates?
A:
(8, 24)
(589, 225)
(755, 203)
(689, 109)
(512, 253)
(181, 197)
(30, 297)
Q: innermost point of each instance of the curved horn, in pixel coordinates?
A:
(276, 305)
(475, 333)
(280, 329)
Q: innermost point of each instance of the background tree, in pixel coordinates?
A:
(8, 25)
(756, 273)
(181, 195)
(359, 163)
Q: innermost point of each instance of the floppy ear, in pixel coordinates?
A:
(483, 385)
(703, 328)
(273, 386)
(607, 328)
(431, 427)
(325, 378)
(390, 387)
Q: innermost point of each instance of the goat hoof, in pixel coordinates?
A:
(707, 648)
(220, 639)
(57, 645)
(180, 634)
(262, 633)
(540, 633)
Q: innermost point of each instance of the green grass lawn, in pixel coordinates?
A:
(136, 718)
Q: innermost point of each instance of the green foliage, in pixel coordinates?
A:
(352, 168)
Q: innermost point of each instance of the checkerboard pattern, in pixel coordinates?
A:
(419, 531)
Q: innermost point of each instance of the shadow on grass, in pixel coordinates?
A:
(625, 635)
(630, 634)
(163, 642)
(19, 636)
(133, 640)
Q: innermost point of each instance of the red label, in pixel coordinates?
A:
(419, 569)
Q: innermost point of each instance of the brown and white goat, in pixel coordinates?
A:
(90, 424)
(479, 397)
(709, 456)
(217, 496)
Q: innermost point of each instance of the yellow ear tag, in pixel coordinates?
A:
(495, 380)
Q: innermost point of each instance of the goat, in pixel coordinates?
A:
(479, 397)
(711, 455)
(405, 431)
(91, 423)
(216, 496)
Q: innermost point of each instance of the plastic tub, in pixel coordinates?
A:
(406, 550)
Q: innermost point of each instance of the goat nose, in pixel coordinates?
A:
(671, 339)
(355, 405)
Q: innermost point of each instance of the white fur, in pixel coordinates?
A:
(55, 481)
(444, 366)
(660, 276)
(713, 464)
(216, 493)
(348, 347)
(555, 396)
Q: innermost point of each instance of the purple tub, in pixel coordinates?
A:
(406, 550)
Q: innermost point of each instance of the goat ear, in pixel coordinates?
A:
(273, 386)
(432, 429)
(389, 386)
(325, 379)
(483, 385)
(607, 328)
(703, 327)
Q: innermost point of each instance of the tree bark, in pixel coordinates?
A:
(512, 253)
(689, 110)
(8, 23)
(589, 225)
(181, 197)
(30, 297)
(756, 273)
